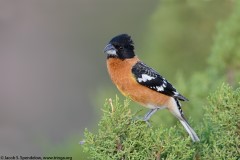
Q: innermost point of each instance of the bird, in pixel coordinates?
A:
(141, 83)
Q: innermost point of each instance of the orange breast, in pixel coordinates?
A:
(120, 72)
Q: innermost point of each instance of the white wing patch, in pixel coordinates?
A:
(160, 88)
(175, 93)
(164, 84)
(145, 78)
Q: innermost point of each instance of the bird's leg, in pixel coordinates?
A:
(149, 114)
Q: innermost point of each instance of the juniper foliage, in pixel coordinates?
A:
(121, 136)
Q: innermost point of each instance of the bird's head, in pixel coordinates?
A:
(120, 47)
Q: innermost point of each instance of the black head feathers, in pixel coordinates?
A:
(123, 39)
(122, 45)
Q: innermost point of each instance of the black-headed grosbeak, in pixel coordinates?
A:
(141, 83)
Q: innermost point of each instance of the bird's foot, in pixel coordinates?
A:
(143, 119)
(148, 123)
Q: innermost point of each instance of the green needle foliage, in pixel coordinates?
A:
(121, 136)
(221, 132)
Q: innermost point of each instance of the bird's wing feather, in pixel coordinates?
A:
(148, 77)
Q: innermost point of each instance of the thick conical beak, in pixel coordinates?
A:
(110, 49)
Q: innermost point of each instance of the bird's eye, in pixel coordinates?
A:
(120, 48)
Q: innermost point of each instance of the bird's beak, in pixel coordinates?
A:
(110, 49)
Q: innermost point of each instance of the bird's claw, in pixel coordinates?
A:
(142, 119)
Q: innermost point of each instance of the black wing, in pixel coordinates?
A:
(148, 77)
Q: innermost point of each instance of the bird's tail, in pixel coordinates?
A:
(175, 108)
(189, 129)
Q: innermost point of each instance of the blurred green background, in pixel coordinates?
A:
(53, 73)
